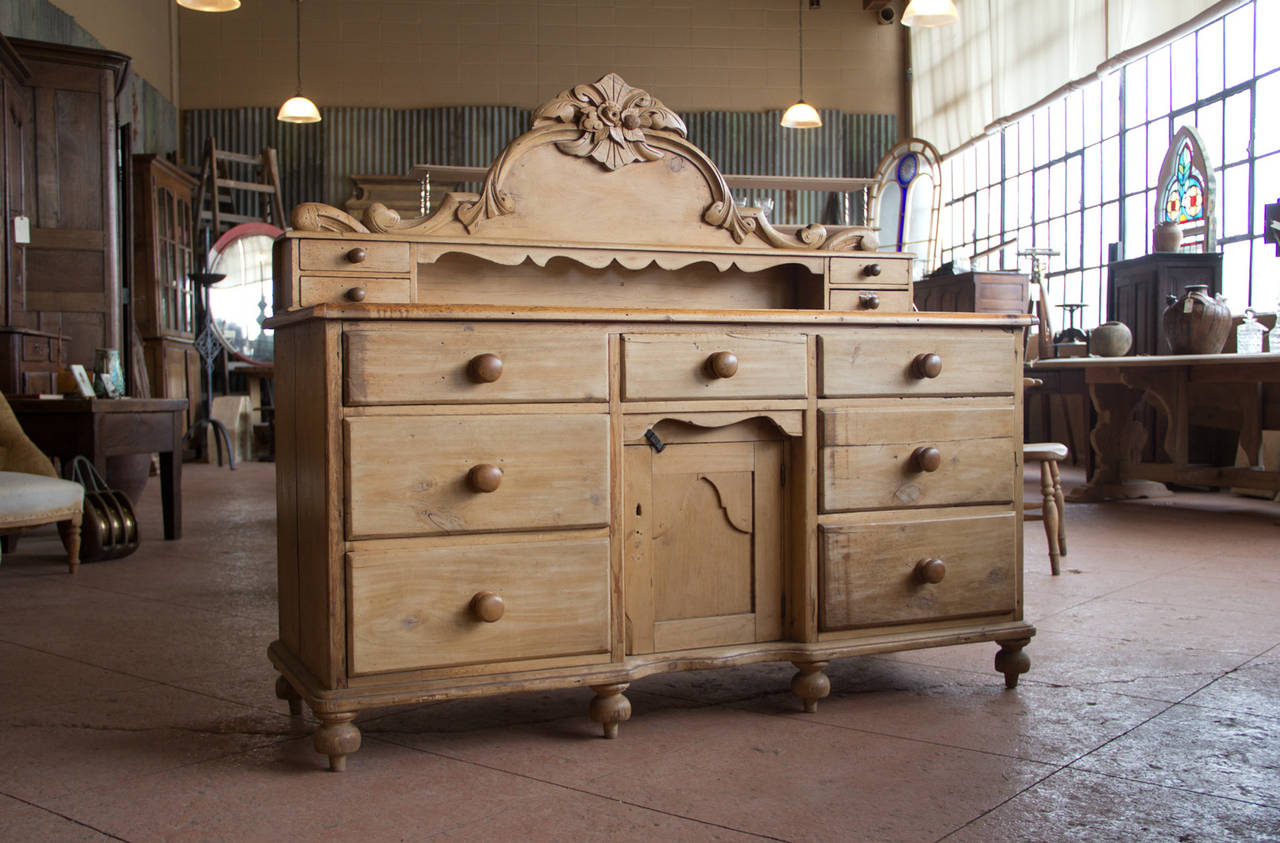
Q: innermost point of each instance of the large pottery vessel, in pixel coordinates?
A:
(1196, 323)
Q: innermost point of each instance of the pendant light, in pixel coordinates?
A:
(929, 13)
(210, 5)
(801, 115)
(299, 109)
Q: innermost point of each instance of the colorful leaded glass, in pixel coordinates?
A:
(1186, 192)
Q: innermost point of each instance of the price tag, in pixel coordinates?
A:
(21, 229)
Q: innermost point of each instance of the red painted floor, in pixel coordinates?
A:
(137, 703)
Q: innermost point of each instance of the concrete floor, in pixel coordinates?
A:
(137, 703)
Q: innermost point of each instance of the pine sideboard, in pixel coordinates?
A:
(599, 422)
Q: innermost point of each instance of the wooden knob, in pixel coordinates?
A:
(485, 368)
(488, 606)
(926, 458)
(931, 570)
(723, 364)
(926, 366)
(871, 270)
(357, 255)
(869, 301)
(356, 294)
(485, 477)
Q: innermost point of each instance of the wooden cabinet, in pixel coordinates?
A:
(29, 361)
(1138, 289)
(164, 295)
(72, 265)
(559, 490)
(973, 292)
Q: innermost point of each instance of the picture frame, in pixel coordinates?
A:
(83, 383)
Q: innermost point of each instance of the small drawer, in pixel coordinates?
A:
(353, 256)
(727, 365)
(902, 568)
(427, 607)
(37, 349)
(886, 271)
(432, 475)
(893, 458)
(318, 289)
(917, 361)
(868, 300)
(474, 363)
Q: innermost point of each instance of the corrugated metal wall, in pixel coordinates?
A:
(316, 159)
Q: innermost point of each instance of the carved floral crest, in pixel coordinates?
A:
(612, 117)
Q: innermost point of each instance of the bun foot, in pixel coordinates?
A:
(286, 691)
(610, 707)
(1011, 661)
(810, 684)
(337, 738)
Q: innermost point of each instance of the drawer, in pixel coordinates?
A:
(723, 365)
(878, 272)
(422, 475)
(867, 299)
(353, 256)
(37, 349)
(887, 458)
(319, 289)
(872, 569)
(454, 363)
(418, 608)
(895, 361)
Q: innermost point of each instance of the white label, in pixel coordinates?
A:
(1188, 305)
(21, 229)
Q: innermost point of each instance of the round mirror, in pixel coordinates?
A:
(241, 302)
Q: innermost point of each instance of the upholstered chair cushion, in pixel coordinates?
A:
(23, 497)
(19, 452)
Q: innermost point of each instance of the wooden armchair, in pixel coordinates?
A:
(31, 492)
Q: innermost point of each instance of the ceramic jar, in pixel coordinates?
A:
(1110, 339)
(1166, 237)
(1196, 323)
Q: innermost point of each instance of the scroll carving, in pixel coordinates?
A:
(316, 216)
(613, 124)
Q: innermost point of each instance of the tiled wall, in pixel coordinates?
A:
(694, 55)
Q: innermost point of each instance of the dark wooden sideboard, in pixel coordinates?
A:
(973, 292)
(1137, 290)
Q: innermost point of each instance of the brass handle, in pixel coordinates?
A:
(926, 458)
(356, 294)
(871, 270)
(931, 570)
(485, 477)
(485, 368)
(488, 606)
(723, 364)
(357, 255)
(869, 301)
(926, 366)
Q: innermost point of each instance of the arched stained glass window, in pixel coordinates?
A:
(904, 202)
(1187, 191)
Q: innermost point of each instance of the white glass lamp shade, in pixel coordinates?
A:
(927, 13)
(299, 109)
(801, 116)
(210, 5)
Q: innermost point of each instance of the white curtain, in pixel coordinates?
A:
(1007, 55)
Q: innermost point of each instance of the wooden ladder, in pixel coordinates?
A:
(224, 201)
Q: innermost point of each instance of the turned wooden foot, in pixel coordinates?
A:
(609, 707)
(1011, 661)
(69, 532)
(810, 684)
(337, 738)
(286, 691)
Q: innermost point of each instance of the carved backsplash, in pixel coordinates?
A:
(316, 159)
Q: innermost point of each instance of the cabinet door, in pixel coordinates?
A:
(704, 526)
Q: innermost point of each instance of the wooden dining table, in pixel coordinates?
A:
(1236, 392)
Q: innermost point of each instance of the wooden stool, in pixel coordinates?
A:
(1052, 512)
